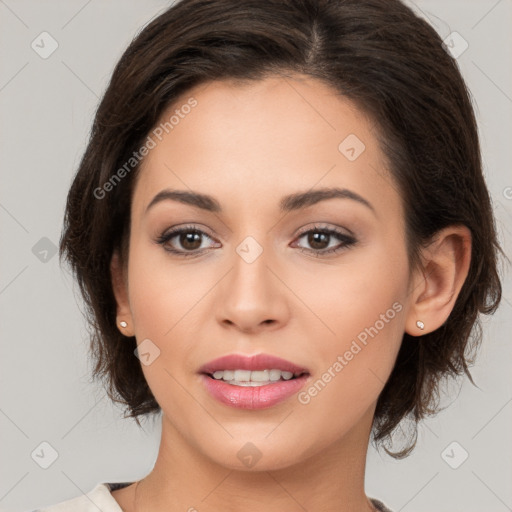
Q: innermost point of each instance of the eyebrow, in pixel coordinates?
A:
(292, 202)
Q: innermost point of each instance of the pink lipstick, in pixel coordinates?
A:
(252, 382)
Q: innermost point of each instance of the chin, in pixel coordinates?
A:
(253, 453)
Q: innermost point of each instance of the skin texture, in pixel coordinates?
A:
(248, 146)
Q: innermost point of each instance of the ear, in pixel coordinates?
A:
(120, 288)
(437, 285)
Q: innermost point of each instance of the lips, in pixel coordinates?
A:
(253, 363)
(250, 394)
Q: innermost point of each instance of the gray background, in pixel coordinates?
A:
(46, 110)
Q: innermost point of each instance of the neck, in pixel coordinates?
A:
(183, 479)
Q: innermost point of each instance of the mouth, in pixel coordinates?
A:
(254, 378)
(252, 382)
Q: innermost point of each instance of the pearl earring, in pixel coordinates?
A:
(420, 324)
(123, 324)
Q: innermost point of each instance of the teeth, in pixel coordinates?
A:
(257, 376)
(242, 375)
(252, 378)
(230, 375)
(274, 375)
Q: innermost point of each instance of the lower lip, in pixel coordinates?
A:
(257, 397)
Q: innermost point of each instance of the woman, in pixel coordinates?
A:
(284, 239)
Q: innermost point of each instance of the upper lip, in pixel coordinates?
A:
(255, 362)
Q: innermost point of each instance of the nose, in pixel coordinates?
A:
(253, 296)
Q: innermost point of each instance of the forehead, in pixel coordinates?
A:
(263, 138)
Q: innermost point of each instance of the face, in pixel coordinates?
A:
(298, 253)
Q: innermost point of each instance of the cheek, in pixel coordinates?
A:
(354, 365)
(352, 297)
(161, 294)
(364, 309)
(161, 303)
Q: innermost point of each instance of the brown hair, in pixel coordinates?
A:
(378, 54)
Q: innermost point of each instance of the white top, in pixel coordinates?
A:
(100, 498)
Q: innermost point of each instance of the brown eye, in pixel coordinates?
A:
(185, 241)
(319, 240)
(190, 240)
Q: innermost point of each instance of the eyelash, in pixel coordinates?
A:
(346, 240)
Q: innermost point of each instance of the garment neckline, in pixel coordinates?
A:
(114, 486)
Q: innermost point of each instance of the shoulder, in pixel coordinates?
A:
(379, 505)
(99, 498)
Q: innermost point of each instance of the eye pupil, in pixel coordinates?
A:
(188, 239)
(314, 238)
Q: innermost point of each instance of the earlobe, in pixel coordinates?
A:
(445, 268)
(120, 288)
